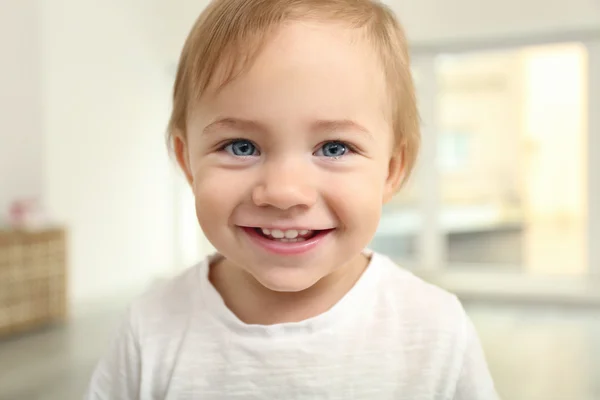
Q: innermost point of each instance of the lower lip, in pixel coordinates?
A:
(287, 248)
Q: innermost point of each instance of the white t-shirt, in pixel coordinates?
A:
(392, 336)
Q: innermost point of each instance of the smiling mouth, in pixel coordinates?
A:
(288, 242)
(288, 236)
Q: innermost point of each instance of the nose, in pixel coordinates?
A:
(285, 185)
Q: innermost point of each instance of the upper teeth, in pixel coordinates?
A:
(289, 234)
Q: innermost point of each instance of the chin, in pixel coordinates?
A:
(286, 281)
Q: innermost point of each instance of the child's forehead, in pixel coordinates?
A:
(306, 76)
(308, 50)
(303, 41)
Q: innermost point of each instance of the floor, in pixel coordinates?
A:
(534, 353)
(55, 363)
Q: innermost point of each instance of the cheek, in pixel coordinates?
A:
(359, 196)
(366, 183)
(217, 192)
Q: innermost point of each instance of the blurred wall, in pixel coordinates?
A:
(107, 175)
(440, 21)
(21, 139)
(85, 99)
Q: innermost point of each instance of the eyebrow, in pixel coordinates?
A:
(234, 123)
(340, 125)
(318, 126)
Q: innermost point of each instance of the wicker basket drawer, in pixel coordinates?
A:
(33, 279)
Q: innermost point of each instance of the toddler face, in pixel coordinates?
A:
(290, 162)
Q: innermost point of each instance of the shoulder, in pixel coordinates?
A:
(428, 325)
(416, 302)
(169, 303)
(147, 344)
(432, 332)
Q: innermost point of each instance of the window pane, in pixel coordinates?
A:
(512, 158)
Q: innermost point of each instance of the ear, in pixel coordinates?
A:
(181, 153)
(396, 170)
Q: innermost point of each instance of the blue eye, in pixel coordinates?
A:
(333, 150)
(241, 148)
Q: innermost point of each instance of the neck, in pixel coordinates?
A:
(253, 303)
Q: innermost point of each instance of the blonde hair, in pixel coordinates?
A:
(229, 35)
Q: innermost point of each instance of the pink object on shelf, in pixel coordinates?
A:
(24, 214)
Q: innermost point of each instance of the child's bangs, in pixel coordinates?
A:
(210, 73)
